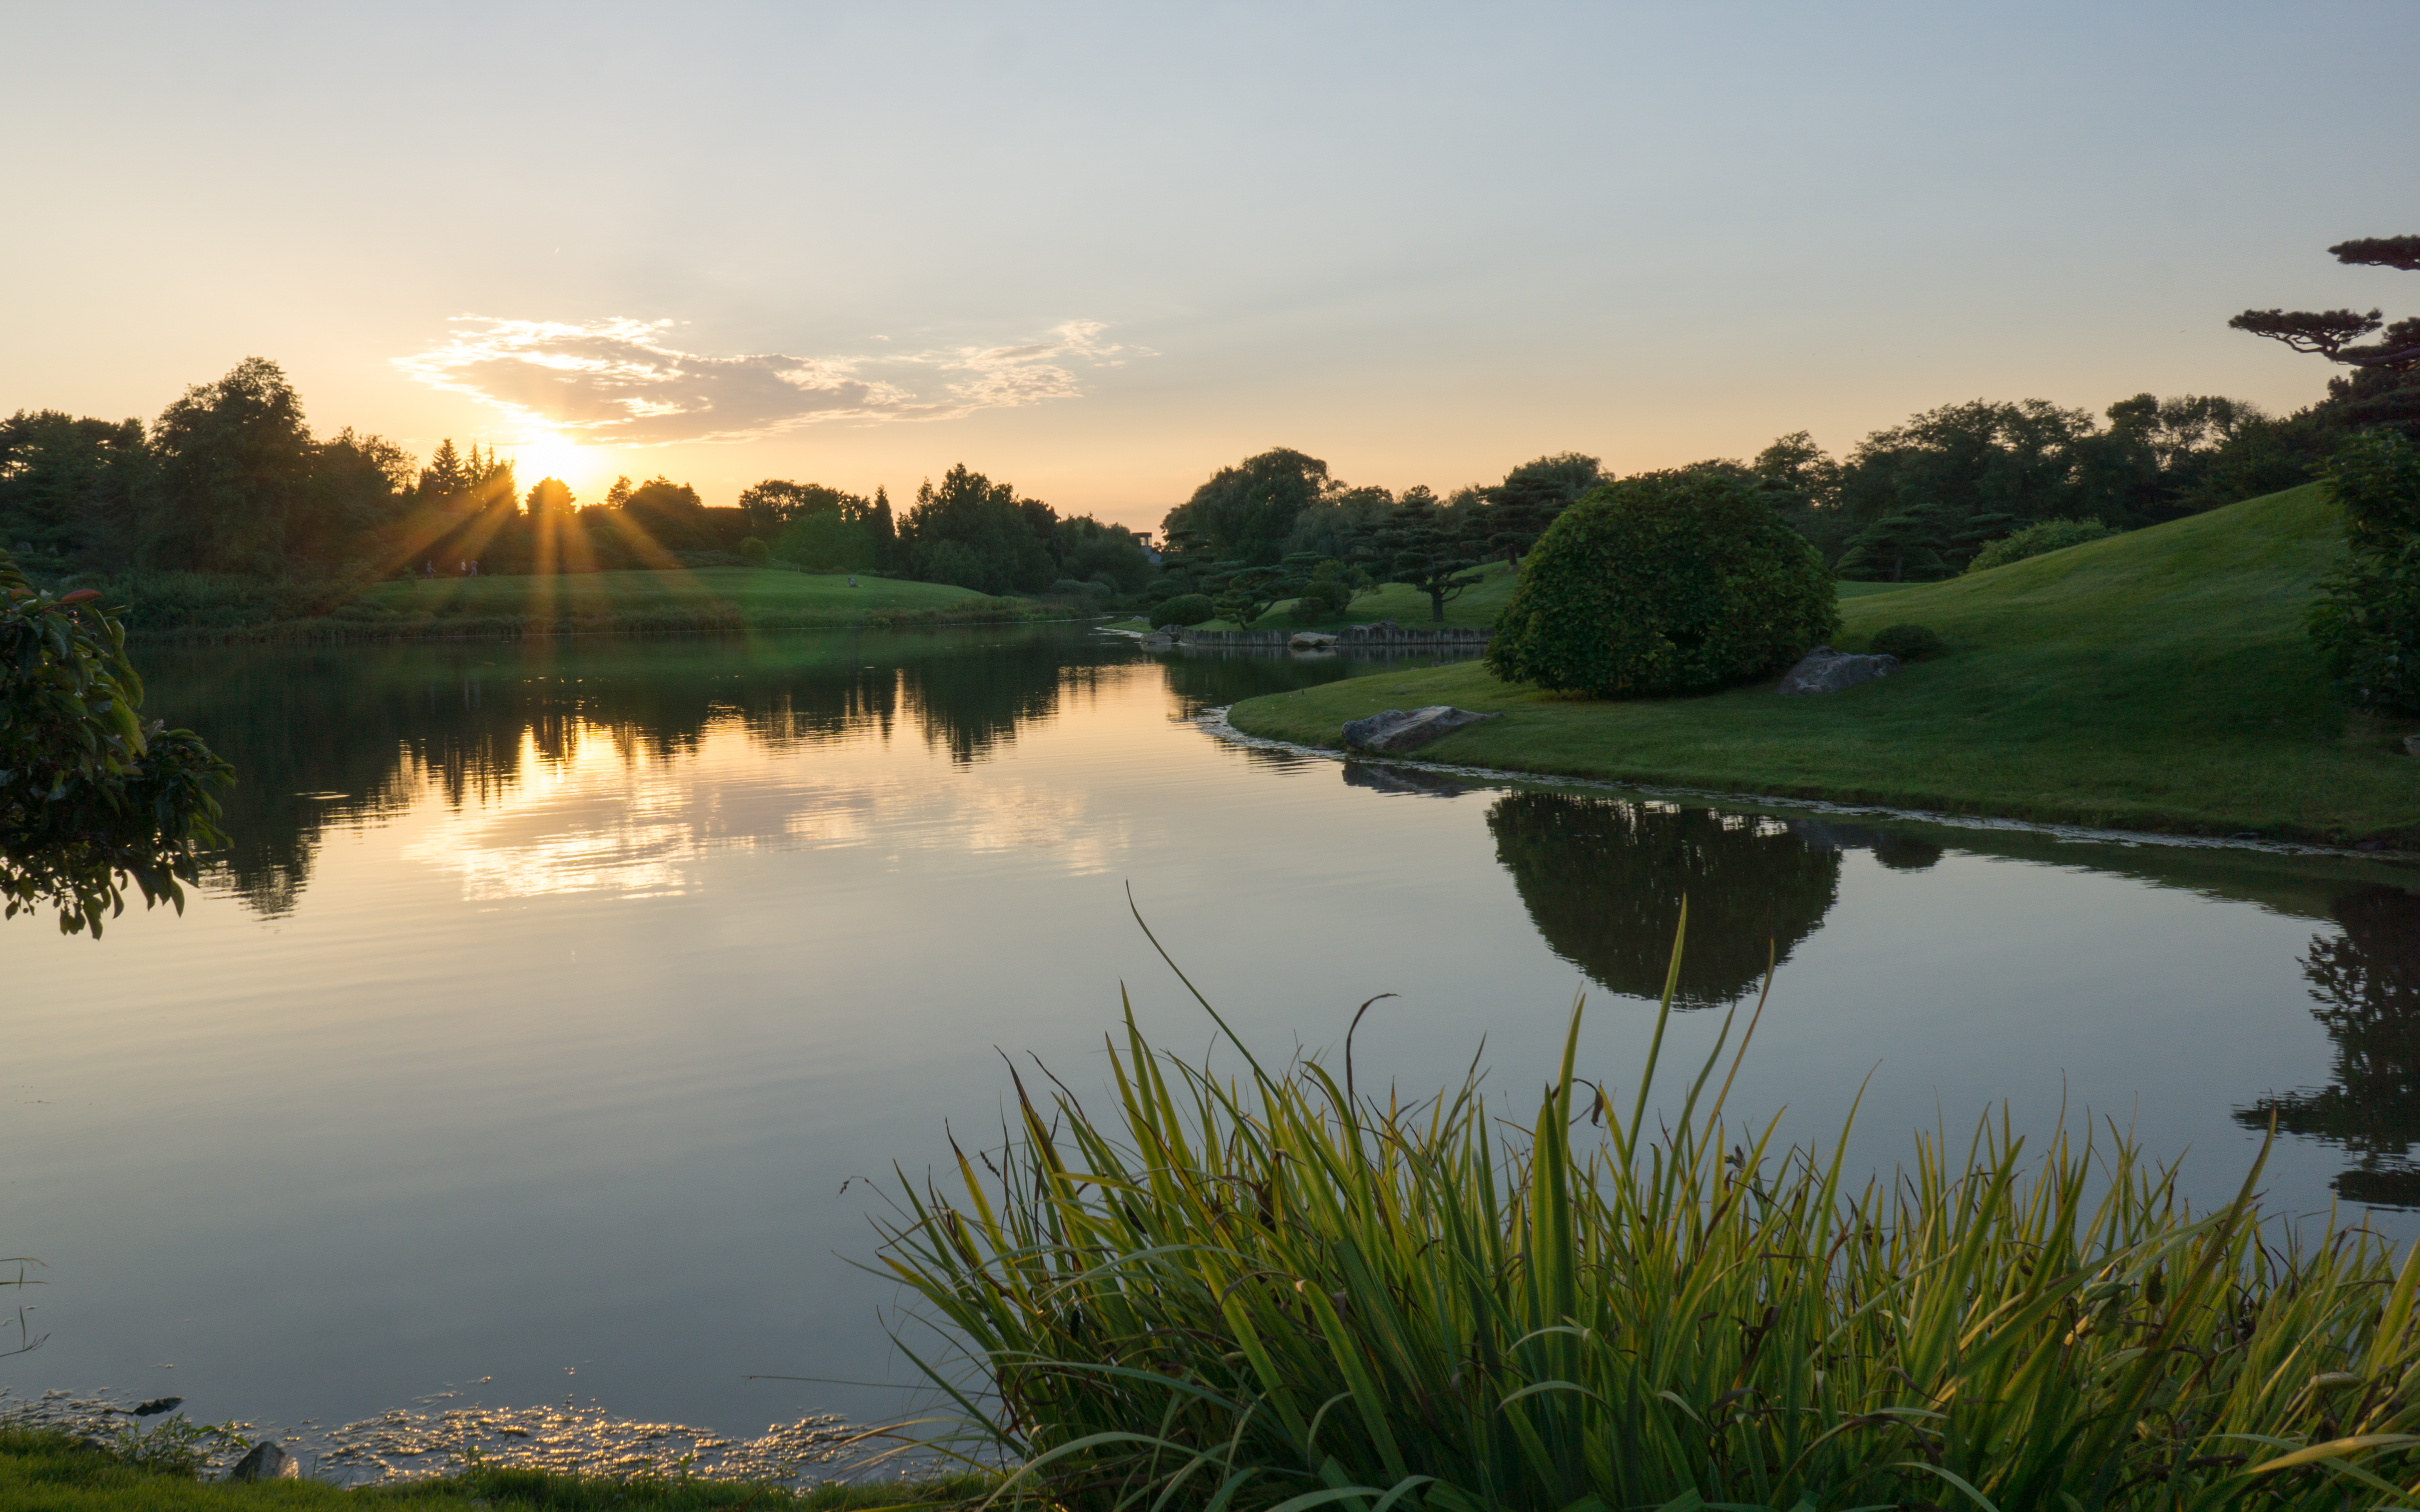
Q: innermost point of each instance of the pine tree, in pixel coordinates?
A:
(1421, 547)
(886, 534)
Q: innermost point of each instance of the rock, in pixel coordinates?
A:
(1310, 640)
(1159, 640)
(1826, 671)
(1403, 779)
(158, 1405)
(2412, 745)
(1395, 731)
(267, 1462)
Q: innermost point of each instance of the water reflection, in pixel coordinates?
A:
(1603, 879)
(329, 738)
(2366, 983)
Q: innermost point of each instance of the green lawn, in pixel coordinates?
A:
(1475, 608)
(2160, 679)
(761, 595)
(42, 1472)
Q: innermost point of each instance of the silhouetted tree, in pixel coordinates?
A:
(1246, 512)
(234, 460)
(71, 490)
(1421, 548)
(2384, 386)
(550, 497)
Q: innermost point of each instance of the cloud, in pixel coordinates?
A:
(620, 382)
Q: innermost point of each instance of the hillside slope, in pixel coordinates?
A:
(2160, 679)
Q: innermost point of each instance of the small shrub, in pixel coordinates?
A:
(2036, 539)
(755, 550)
(1184, 609)
(1908, 642)
(1664, 584)
(2367, 623)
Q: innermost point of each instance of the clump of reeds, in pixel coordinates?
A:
(1269, 1293)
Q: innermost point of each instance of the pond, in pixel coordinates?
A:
(563, 1011)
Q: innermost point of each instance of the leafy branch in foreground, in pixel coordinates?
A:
(91, 796)
(1273, 1293)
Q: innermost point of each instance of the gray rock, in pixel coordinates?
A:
(2412, 745)
(1826, 671)
(267, 1462)
(1310, 640)
(1159, 640)
(1396, 730)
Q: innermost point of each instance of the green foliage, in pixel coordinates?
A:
(1422, 546)
(1087, 548)
(1185, 608)
(72, 491)
(91, 797)
(755, 550)
(1269, 1291)
(2367, 620)
(1247, 511)
(2075, 671)
(2035, 539)
(827, 540)
(977, 534)
(1517, 510)
(1661, 583)
(1908, 642)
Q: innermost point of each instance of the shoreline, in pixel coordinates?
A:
(1219, 726)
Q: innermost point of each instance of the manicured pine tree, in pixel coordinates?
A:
(1421, 546)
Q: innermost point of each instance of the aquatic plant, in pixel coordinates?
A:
(1272, 1291)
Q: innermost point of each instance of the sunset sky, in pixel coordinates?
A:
(1100, 250)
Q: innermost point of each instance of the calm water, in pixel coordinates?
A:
(560, 1012)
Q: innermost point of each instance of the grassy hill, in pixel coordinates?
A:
(753, 592)
(2160, 680)
(185, 605)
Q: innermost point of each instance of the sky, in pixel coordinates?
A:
(1101, 251)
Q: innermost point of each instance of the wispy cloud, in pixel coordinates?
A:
(621, 382)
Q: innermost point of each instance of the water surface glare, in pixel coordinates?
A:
(559, 1013)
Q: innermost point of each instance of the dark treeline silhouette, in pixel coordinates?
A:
(2365, 982)
(230, 482)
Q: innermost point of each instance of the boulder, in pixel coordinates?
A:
(1310, 640)
(1826, 671)
(267, 1462)
(2412, 745)
(1159, 640)
(1397, 731)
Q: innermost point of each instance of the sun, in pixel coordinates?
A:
(541, 453)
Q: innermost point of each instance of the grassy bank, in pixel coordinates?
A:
(2157, 680)
(42, 1472)
(185, 607)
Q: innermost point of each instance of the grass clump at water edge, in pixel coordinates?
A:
(1272, 1293)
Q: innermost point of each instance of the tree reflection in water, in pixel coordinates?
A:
(331, 737)
(2366, 983)
(1603, 879)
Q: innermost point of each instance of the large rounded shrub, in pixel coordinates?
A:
(1184, 609)
(1661, 583)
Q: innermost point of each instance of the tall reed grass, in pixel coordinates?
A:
(1271, 1292)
